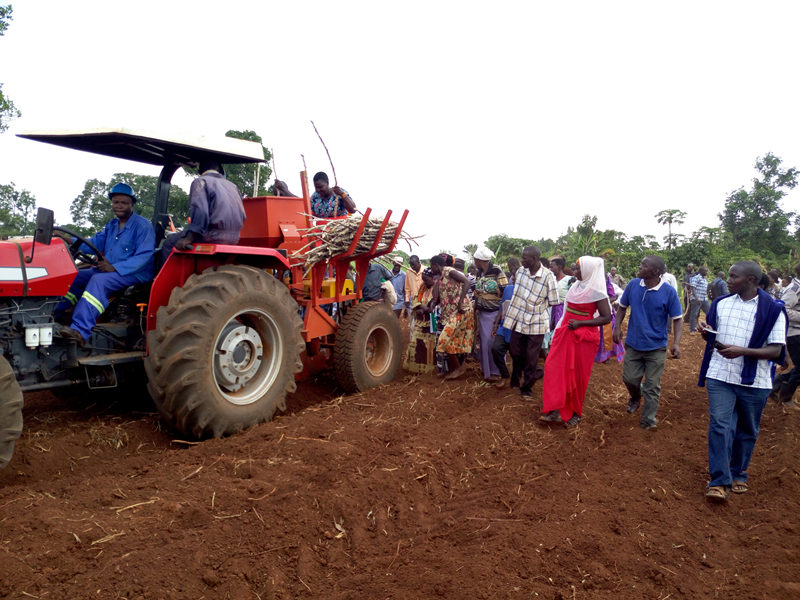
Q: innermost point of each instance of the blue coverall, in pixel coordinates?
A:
(130, 251)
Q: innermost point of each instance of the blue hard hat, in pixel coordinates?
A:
(122, 188)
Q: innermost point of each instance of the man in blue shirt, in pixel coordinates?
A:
(502, 337)
(653, 305)
(698, 288)
(718, 287)
(376, 274)
(399, 285)
(127, 243)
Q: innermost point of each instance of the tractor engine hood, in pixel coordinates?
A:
(50, 273)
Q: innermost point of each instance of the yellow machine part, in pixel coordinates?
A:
(329, 287)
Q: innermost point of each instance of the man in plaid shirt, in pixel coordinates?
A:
(746, 330)
(528, 318)
(698, 288)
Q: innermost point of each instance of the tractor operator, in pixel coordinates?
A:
(216, 211)
(127, 243)
(326, 202)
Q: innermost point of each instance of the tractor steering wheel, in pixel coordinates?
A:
(75, 250)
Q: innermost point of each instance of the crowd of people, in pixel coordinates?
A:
(571, 316)
(540, 308)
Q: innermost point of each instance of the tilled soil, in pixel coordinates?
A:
(417, 489)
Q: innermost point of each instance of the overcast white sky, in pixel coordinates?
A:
(479, 117)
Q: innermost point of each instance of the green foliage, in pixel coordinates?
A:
(17, 211)
(7, 109)
(244, 176)
(5, 17)
(504, 247)
(667, 217)
(91, 210)
(754, 219)
(753, 226)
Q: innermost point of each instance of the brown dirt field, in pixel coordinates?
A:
(415, 490)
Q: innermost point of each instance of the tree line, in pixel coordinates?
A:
(752, 225)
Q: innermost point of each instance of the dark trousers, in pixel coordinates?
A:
(499, 349)
(787, 383)
(525, 358)
(648, 365)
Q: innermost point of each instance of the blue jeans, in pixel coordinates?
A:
(735, 415)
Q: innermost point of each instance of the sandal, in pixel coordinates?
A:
(550, 417)
(717, 493)
(739, 487)
(572, 422)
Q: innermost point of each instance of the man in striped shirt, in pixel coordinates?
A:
(698, 288)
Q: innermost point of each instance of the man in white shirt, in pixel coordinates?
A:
(669, 279)
(745, 331)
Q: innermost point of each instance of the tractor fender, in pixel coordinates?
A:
(182, 264)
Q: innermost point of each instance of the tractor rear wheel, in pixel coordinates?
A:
(368, 350)
(224, 351)
(10, 411)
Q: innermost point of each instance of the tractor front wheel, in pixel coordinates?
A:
(10, 411)
(368, 350)
(225, 351)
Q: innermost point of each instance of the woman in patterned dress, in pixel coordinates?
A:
(456, 315)
(421, 353)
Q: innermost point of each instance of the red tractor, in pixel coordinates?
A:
(223, 331)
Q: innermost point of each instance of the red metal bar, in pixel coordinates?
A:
(378, 237)
(358, 233)
(390, 247)
(306, 198)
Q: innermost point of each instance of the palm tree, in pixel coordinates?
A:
(669, 216)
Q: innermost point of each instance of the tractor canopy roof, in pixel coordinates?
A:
(153, 149)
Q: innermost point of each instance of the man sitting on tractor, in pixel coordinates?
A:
(216, 211)
(127, 243)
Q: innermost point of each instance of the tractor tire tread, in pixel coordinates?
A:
(178, 348)
(348, 364)
(10, 411)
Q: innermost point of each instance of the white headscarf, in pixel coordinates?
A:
(592, 286)
(483, 253)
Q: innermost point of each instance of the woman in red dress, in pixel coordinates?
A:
(577, 335)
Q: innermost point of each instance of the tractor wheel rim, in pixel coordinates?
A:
(247, 356)
(378, 351)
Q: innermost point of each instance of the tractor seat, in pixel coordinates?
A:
(135, 294)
